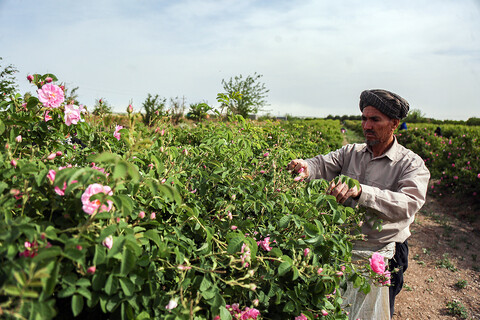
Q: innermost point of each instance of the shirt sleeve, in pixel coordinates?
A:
(326, 166)
(403, 203)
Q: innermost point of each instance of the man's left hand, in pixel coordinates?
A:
(341, 191)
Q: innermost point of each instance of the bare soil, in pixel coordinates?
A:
(443, 276)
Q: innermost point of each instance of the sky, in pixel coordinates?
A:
(315, 57)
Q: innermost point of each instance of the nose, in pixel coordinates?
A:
(367, 125)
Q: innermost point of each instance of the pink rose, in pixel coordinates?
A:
(51, 175)
(153, 216)
(47, 117)
(91, 270)
(91, 207)
(301, 317)
(265, 244)
(250, 313)
(13, 162)
(324, 312)
(51, 96)
(117, 134)
(48, 79)
(377, 263)
(306, 252)
(18, 138)
(108, 242)
(52, 156)
(141, 215)
(72, 114)
(172, 304)
(30, 78)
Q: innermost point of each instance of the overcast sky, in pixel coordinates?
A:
(315, 56)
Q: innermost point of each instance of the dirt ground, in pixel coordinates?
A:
(443, 276)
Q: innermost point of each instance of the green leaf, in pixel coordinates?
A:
(123, 203)
(224, 314)
(120, 170)
(77, 304)
(98, 282)
(116, 247)
(12, 290)
(50, 282)
(235, 244)
(128, 261)
(289, 307)
(100, 255)
(66, 292)
(127, 286)
(284, 267)
(74, 254)
(106, 157)
(206, 284)
(111, 286)
(153, 235)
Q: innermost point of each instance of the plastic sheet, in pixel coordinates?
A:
(374, 305)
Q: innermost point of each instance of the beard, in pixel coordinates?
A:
(370, 143)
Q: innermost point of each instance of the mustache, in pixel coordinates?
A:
(368, 132)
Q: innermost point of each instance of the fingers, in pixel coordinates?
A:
(298, 165)
(341, 192)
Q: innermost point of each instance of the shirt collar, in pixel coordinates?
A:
(391, 153)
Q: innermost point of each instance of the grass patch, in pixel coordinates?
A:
(446, 263)
(457, 309)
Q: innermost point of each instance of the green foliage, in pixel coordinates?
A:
(446, 263)
(101, 107)
(7, 81)
(154, 107)
(252, 93)
(452, 158)
(198, 111)
(461, 284)
(457, 309)
(203, 216)
(414, 116)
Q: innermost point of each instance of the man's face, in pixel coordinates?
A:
(377, 127)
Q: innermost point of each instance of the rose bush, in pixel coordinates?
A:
(170, 222)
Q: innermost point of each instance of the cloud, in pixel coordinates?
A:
(316, 56)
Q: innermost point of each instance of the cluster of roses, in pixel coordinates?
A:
(377, 263)
(245, 314)
(52, 97)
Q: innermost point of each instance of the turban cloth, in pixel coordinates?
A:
(386, 102)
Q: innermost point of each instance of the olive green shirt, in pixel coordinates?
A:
(394, 185)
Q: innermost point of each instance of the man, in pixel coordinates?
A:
(393, 180)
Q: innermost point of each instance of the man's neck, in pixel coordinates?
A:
(381, 148)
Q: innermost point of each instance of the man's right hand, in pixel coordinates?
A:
(299, 166)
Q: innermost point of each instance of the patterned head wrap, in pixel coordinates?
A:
(386, 102)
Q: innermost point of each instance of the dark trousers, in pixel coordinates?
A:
(397, 266)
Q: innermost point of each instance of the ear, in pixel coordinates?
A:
(395, 124)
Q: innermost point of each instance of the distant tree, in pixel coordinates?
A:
(8, 85)
(177, 109)
(198, 111)
(415, 115)
(251, 91)
(473, 121)
(154, 107)
(71, 96)
(101, 108)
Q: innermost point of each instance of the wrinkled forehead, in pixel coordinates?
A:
(372, 112)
